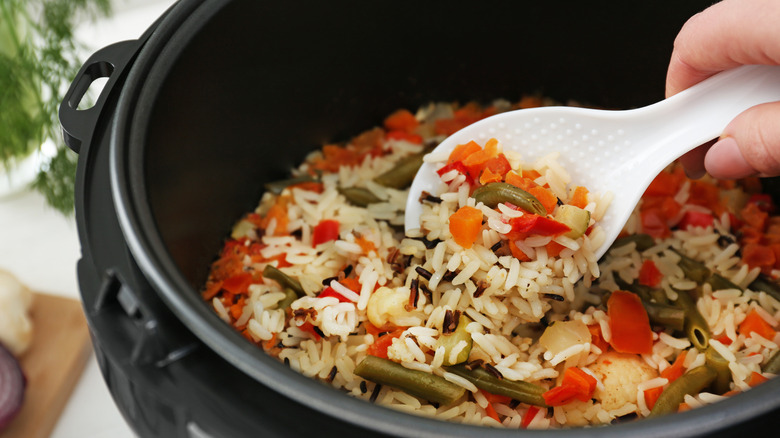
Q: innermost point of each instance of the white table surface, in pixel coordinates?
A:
(40, 246)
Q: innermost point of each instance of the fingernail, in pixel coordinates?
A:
(725, 160)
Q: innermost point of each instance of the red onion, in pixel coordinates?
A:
(12, 385)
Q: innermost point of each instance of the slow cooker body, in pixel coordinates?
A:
(219, 97)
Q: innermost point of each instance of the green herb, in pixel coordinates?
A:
(37, 61)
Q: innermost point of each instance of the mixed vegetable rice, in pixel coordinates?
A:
(495, 311)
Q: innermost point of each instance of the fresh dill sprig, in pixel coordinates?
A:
(38, 59)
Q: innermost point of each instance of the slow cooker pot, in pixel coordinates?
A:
(218, 97)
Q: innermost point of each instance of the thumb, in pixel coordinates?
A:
(749, 145)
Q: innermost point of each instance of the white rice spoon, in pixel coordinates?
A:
(618, 152)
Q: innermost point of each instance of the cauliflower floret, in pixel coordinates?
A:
(387, 305)
(16, 328)
(620, 373)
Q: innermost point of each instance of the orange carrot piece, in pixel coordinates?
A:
(519, 181)
(753, 322)
(517, 252)
(756, 379)
(757, 255)
(676, 370)
(488, 177)
(462, 151)
(465, 226)
(366, 245)
(382, 343)
(546, 197)
(580, 197)
(629, 324)
(401, 120)
(651, 396)
(597, 339)
(554, 249)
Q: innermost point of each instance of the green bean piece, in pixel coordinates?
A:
(714, 360)
(696, 327)
(417, 383)
(773, 365)
(521, 391)
(495, 193)
(764, 284)
(289, 297)
(283, 279)
(643, 291)
(402, 174)
(359, 196)
(692, 382)
(693, 269)
(277, 187)
(643, 241)
(719, 282)
(672, 317)
(451, 340)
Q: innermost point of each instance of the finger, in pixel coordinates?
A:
(727, 34)
(750, 145)
(693, 161)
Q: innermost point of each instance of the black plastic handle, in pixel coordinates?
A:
(108, 62)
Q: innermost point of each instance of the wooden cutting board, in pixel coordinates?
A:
(53, 364)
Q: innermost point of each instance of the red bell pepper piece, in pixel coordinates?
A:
(695, 219)
(460, 167)
(325, 231)
(533, 224)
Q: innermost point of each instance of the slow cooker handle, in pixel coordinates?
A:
(108, 62)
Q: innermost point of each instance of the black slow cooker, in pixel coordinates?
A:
(218, 97)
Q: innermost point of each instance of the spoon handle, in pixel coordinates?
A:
(700, 113)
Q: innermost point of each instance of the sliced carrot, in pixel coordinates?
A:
(651, 396)
(271, 342)
(462, 151)
(724, 339)
(580, 197)
(546, 197)
(310, 186)
(401, 120)
(382, 343)
(683, 407)
(597, 339)
(629, 324)
(517, 252)
(554, 249)
(664, 184)
(753, 322)
(477, 160)
(757, 255)
(531, 173)
(366, 245)
(576, 385)
(496, 398)
(674, 371)
(519, 181)
(465, 225)
(754, 216)
(211, 290)
(756, 379)
(499, 165)
(488, 177)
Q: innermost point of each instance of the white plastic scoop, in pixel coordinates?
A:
(614, 151)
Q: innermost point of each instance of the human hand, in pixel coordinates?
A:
(726, 35)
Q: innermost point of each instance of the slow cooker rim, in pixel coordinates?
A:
(149, 251)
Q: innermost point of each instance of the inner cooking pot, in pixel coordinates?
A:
(219, 97)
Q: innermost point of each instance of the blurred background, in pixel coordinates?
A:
(38, 237)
